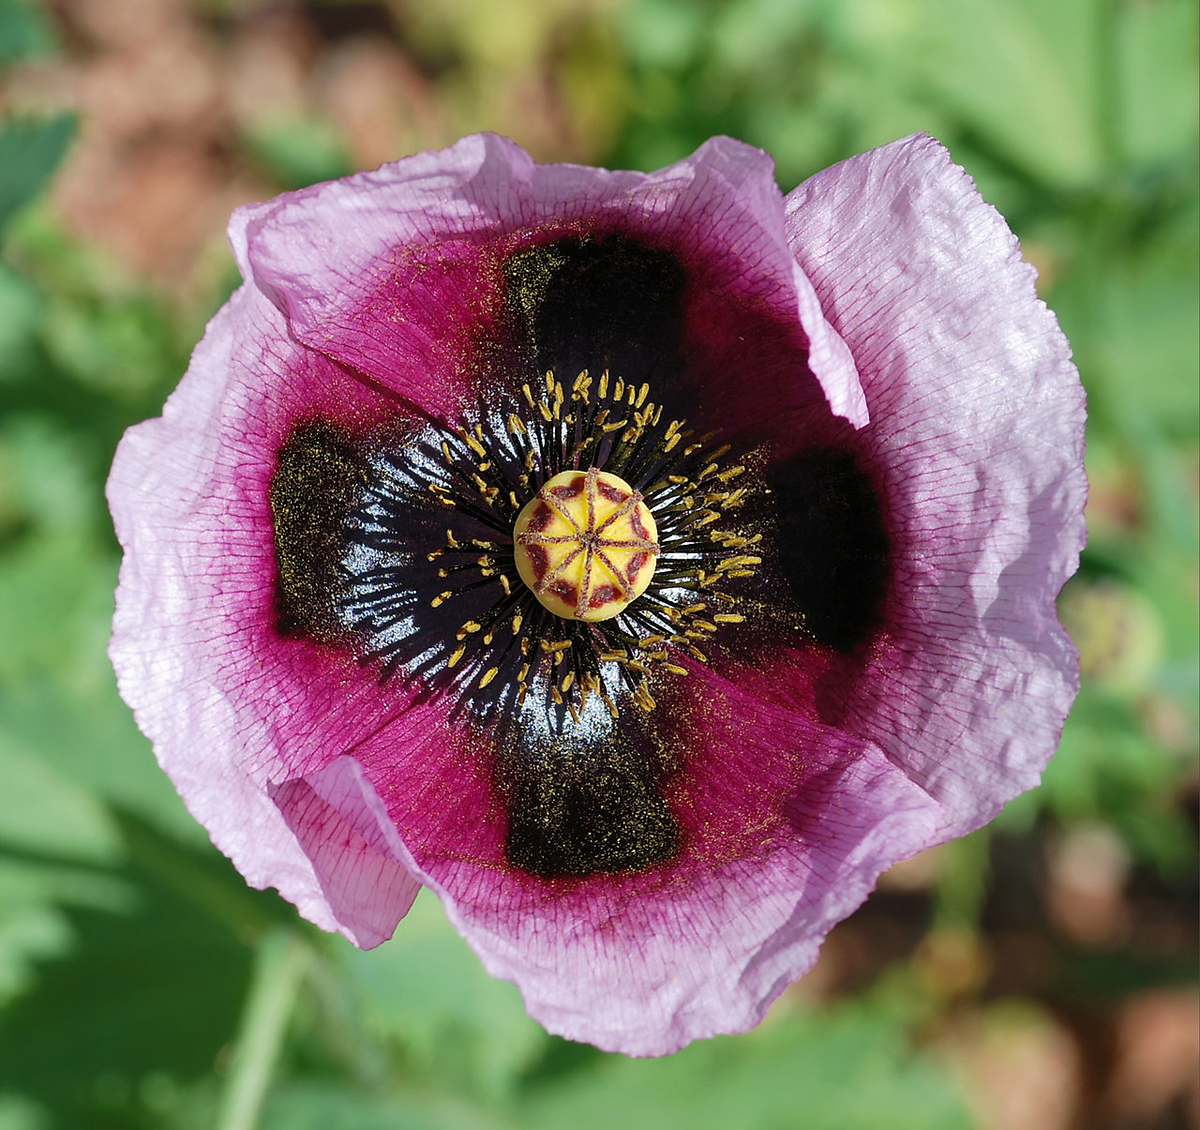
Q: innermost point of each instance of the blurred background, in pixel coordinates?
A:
(1039, 975)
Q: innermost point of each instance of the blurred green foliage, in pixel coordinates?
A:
(24, 31)
(128, 948)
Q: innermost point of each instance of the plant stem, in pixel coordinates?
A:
(278, 970)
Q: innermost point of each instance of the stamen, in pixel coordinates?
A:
(622, 568)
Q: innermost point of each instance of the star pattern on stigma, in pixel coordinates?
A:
(509, 651)
(586, 545)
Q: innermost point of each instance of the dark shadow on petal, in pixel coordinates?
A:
(606, 301)
(582, 804)
(831, 545)
(806, 808)
(317, 479)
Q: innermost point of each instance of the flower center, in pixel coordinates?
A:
(586, 545)
(556, 555)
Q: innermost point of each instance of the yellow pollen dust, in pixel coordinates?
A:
(586, 545)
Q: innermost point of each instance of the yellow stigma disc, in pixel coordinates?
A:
(586, 545)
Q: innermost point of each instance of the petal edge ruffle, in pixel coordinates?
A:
(977, 437)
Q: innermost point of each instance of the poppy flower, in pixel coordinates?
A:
(642, 562)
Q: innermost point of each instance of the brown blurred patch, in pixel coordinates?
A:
(1088, 868)
(1019, 1068)
(172, 95)
(1157, 1048)
(379, 101)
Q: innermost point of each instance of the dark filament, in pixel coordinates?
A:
(503, 648)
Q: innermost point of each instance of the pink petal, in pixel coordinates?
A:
(787, 824)
(342, 826)
(230, 705)
(977, 437)
(387, 271)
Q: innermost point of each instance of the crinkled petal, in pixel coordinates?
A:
(787, 823)
(342, 826)
(230, 705)
(394, 271)
(976, 437)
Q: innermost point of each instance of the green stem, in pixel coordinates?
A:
(278, 970)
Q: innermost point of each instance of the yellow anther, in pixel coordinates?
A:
(473, 443)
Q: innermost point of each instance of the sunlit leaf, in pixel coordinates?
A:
(849, 1070)
(428, 991)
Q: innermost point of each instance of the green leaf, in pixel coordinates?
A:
(848, 1069)
(299, 152)
(20, 311)
(42, 810)
(1107, 765)
(659, 33)
(150, 987)
(30, 151)
(121, 348)
(313, 1105)
(427, 990)
(89, 735)
(1137, 318)
(1156, 77)
(24, 30)
(1021, 75)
